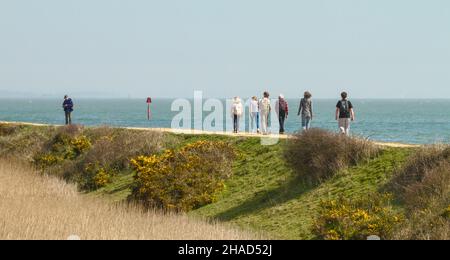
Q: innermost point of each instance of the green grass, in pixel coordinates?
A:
(119, 189)
(263, 193)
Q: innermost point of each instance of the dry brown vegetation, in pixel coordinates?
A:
(35, 206)
(317, 155)
(423, 186)
(23, 142)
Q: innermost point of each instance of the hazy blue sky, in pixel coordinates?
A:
(168, 48)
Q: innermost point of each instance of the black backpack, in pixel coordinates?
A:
(345, 107)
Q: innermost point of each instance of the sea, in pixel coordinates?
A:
(405, 121)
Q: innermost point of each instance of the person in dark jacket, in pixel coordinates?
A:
(282, 108)
(68, 109)
(345, 114)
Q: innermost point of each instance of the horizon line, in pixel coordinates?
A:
(210, 97)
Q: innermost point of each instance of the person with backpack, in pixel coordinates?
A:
(306, 110)
(68, 109)
(264, 110)
(236, 113)
(282, 108)
(254, 114)
(344, 114)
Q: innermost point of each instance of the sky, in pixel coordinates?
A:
(225, 48)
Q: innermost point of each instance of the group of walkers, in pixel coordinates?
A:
(260, 111)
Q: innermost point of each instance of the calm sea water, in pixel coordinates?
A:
(407, 121)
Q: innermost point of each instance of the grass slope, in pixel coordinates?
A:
(264, 195)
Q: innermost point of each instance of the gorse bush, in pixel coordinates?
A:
(184, 179)
(423, 185)
(80, 145)
(346, 219)
(47, 160)
(67, 144)
(93, 157)
(111, 153)
(316, 155)
(94, 176)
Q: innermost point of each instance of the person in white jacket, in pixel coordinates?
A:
(254, 114)
(265, 109)
(236, 113)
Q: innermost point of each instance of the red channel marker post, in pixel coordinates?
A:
(149, 112)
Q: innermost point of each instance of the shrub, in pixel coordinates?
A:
(316, 155)
(108, 150)
(346, 219)
(423, 185)
(24, 143)
(108, 156)
(427, 224)
(66, 144)
(98, 133)
(94, 176)
(446, 213)
(47, 160)
(7, 130)
(80, 145)
(70, 130)
(183, 179)
(424, 178)
(92, 157)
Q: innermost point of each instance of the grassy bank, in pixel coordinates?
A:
(42, 207)
(263, 193)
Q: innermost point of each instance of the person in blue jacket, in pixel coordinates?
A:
(68, 109)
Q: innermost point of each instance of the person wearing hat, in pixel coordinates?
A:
(68, 109)
(281, 106)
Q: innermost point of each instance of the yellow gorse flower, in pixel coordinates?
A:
(81, 144)
(185, 178)
(447, 212)
(355, 219)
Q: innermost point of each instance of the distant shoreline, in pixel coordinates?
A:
(220, 98)
(203, 132)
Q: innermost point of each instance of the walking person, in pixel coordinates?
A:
(264, 109)
(344, 114)
(282, 108)
(236, 113)
(68, 109)
(254, 114)
(306, 110)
